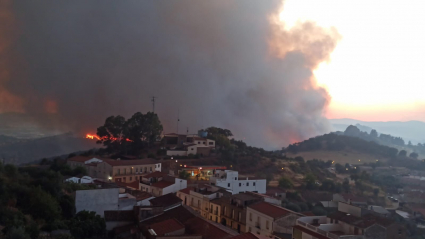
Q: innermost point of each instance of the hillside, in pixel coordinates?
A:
(341, 149)
(25, 151)
(410, 130)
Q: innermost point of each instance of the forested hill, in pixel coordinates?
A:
(335, 142)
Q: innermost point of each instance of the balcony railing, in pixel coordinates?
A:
(257, 225)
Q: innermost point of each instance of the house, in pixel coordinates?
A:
(184, 145)
(195, 226)
(103, 199)
(170, 227)
(380, 211)
(159, 184)
(167, 201)
(350, 199)
(266, 219)
(230, 180)
(115, 170)
(234, 209)
(348, 222)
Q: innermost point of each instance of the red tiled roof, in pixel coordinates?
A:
(207, 230)
(155, 174)
(162, 184)
(270, 209)
(140, 195)
(314, 234)
(166, 200)
(167, 226)
(361, 222)
(134, 184)
(130, 162)
(308, 213)
(186, 190)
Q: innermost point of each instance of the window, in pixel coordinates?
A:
(141, 169)
(124, 179)
(250, 217)
(211, 143)
(236, 178)
(233, 213)
(199, 203)
(247, 184)
(211, 209)
(224, 210)
(253, 183)
(267, 224)
(125, 171)
(146, 169)
(118, 171)
(228, 185)
(258, 219)
(151, 169)
(240, 184)
(399, 231)
(199, 142)
(203, 142)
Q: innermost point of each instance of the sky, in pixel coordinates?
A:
(376, 70)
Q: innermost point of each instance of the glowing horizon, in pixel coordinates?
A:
(375, 71)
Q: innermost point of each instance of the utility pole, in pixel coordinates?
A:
(178, 119)
(153, 104)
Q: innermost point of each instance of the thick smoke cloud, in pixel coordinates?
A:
(223, 63)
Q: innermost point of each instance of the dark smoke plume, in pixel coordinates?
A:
(220, 63)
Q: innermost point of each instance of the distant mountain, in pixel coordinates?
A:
(29, 150)
(23, 126)
(410, 131)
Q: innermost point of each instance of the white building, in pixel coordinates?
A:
(83, 180)
(159, 184)
(185, 145)
(230, 180)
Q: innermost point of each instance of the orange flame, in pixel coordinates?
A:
(93, 136)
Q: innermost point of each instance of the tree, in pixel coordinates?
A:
(111, 134)
(17, 233)
(142, 130)
(354, 177)
(328, 185)
(373, 133)
(414, 155)
(184, 175)
(402, 153)
(87, 225)
(339, 168)
(346, 185)
(319, 211)
(310, 181)
(376, 191)
(221, 136)
(43, 205)
(294, 207)
(285, 182)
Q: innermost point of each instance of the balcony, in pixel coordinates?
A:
(257, 225)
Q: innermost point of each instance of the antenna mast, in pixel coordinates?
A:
(153, 104)
(178, 119)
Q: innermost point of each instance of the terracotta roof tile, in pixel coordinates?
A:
(134, 184)
(314, 234)
(162, 184)
(186, 190)
(207, 230)
(167, 226)
(270, 209)
(166, 200)
(130, 162)
(155, 174)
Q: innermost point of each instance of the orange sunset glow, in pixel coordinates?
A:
(375, 72)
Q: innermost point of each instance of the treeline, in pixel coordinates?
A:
(336, 142)
(35, 199)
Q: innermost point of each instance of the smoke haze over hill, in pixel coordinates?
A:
(224, 63)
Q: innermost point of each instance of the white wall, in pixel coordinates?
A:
(263, 221)
(97, 200)
(245, 185)
(93, 160)
(145, 202)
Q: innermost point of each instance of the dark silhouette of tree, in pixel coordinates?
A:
(87, 225)
(414, 155)
(402, 153)
(374, 133)
(142, 130)
(285, 182)
(111, 134)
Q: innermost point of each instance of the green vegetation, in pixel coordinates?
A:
(34, 199)
(285, 182)
(130, 136)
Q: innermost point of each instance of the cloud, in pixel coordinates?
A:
(223, 63)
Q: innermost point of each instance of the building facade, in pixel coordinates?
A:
(230, 180)
(115, 170)
(159, 184)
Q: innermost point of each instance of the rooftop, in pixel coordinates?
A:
(80, 159)
(361, 222)
(271, 210)
(130, 162)
(186, 190)
(134, 184)
(246, 196)
(162, 184)
(314, 234)
(167, 226)
(166, 200)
